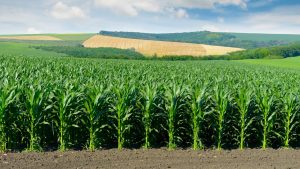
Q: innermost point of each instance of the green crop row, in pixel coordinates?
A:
(69, 103)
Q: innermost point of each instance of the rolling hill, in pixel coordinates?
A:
(239, 40)
(159, 48)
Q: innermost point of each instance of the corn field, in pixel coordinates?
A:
(51, 103)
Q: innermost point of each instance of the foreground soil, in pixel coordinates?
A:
(155, 158)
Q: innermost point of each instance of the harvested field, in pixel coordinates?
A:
(160, 48)
(155, 158)
(50, 38)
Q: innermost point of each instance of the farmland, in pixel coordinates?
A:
(149, 84)
(68, 103)
(288, 63)
(121, 112)
(44, 38)
(159, 48)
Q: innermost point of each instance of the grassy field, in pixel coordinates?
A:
(24, 49)
(291, 63)
(65, 37)
(267, 37)
(39, 38)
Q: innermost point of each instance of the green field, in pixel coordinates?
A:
(66, 37)
(267, 37)
(291, 63)
(76, 103)
(23, 49)
(26, 47)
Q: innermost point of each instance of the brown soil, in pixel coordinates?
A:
(155, 158)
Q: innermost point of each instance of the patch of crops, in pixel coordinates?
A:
(70, 103)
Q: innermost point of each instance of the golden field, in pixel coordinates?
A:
(29, 37)
(159, 48)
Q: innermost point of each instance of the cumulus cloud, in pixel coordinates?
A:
(181, 13)
(277, 18)
(177, 13)
(134, 7)
(32, 30)
(129, 7)
(208, 3)
(63, 11)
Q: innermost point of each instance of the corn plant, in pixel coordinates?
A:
(95, 100)
(149, 94)
(198, 97)
(221, 100)
(173, 95)
(290, 112)
(7, 96)
(123, 111)
(265, 102)
(66, 99)
(35, 97)
(243, 100)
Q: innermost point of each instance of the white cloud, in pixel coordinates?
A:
(210, 27)
(241, 3)
(204, 4)
(282, 19)
(63, 11)
(281, 15)
(134, 7)
(33, 30)
(177, 13)
(181, 13)
(129, 7)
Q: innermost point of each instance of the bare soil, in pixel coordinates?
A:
(155, 158)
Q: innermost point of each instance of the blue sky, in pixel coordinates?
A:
(78, 16)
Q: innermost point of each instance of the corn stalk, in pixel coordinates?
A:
(173, 96)
(94, 99)
(7, 96)
(198, 114)
(243, 100)
(34, 104)
(290, 107)
(221, 99)
(149, 94)
(265, 101)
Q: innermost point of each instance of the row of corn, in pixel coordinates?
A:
(63, 103)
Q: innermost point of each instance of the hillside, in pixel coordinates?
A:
(23, 37)
(159, 48)
(240, 40)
